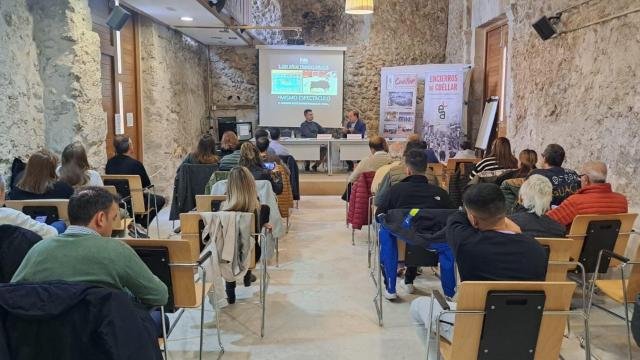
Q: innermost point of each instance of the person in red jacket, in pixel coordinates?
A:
(594, 198)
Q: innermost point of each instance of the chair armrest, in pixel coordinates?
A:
(615, 256)
(204, 258)
(441, 300)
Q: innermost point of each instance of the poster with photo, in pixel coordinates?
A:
(397, 103)
(443, 111)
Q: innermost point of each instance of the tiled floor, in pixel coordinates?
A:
(320, 304)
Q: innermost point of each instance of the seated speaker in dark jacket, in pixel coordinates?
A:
(250, 158)
(412, 192)
(487, 247)
(535, 197)
(124, 164)
(85, 252)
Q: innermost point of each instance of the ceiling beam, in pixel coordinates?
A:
(230, 21)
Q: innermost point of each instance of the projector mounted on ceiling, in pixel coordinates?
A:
(218, 4)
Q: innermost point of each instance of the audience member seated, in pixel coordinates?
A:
(40, 180)
(594, 198)
(412, 192)
(466, 151)
(500, 158)
(565, 182)
(205, 152)
(396, 150)
(432, 157)
(123, 164)
(250, 158)
(75, 169)
(275, 145)
(535, 197)
(242, 196)
(262, 133)
(379, 157)
(85, 253)
(399, 172)
(14, 217)
(229, 143)
(511, 181)
(262, 144)
(487, 247)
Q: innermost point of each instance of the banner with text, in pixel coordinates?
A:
(397, 103)
(443, 110)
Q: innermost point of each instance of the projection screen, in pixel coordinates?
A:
(295, 78)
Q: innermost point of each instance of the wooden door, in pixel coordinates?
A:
(113, 80)
(495, 73)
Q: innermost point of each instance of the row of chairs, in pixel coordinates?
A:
(592, 247)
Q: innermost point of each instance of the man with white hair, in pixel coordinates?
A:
(535, 200)
(594, 198)
(14, 217)
(396, 150)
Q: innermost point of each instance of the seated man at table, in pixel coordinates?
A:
(354, 126)
(275, 145)
(379, 157)
(124, 164)
(310, 129)
(595, 196)
(86, 253)
(412, 192)
(487, 247)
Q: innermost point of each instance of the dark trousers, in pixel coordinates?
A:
(323, 158)
(149, 201)
(349, 165)
(156, 315)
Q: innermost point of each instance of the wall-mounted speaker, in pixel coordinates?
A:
(545, 27)
(118, 18)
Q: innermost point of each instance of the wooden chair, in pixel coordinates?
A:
(622, 291)
(35, 208)
(120, 224)
(452, 165)
(559, 255)
(129, 187)
(204, 203)
(185, 292)
(439, 170)
(473, 329)
(192, 225)
(584, 228)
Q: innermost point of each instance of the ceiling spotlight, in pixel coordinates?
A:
(186, 18)
(359, 7)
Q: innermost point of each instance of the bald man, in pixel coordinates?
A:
(379, 157)
(594, 198)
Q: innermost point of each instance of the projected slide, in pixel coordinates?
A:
(294, 80)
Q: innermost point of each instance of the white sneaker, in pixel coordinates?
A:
(410, 288)
(390, 296)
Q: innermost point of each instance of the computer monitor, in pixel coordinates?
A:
(244, 131)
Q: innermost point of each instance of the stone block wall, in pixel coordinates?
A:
(50, 79)
(174, 80)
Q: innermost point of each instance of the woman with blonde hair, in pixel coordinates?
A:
(535, 200)
(251, 159)
(242, 196)
(511, 181)
(75, 169)
(40, 180)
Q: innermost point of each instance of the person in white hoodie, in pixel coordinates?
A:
(14, 217)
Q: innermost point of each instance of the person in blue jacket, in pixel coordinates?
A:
(354, 125)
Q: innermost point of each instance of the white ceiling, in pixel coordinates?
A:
(169, 12)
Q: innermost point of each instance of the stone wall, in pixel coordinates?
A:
(49, 67)
(174, 80)
(579, 90)
(401, 32)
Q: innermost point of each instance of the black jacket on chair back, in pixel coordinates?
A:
(15, 243)
(73, 321)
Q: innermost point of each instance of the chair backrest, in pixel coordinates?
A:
(473, 295)
(53, 210)
(185, 290)
(128, 185)
(600, 235)
(157, 260)
(208, 203)
(439, 171)
(191, 226)
(559, 250)
(452, 166)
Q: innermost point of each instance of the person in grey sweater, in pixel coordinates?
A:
(310, 129)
